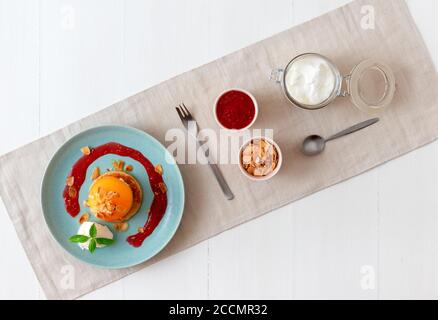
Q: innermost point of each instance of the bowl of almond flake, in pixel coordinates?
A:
(260, 159)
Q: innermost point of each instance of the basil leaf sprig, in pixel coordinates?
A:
(78, 238)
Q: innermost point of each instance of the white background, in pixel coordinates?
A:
(62, 60)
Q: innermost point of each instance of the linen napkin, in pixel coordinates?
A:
(345, 35)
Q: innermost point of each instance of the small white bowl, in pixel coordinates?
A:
(273, 173)
(256, 107)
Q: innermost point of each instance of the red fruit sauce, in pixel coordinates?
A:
(79, 171)
(235, 109)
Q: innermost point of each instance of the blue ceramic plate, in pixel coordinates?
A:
(62, 225)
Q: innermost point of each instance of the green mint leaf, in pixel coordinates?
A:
(104, 241)
(92, 245)
(93, 231)
(78, 238)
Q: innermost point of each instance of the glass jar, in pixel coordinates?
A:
(370, 85)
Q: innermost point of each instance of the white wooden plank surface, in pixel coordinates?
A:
(81, 46)
(408, 246)
(408, 259)
(370, 237)
(19, 75)
(19, 123)
(335, 241)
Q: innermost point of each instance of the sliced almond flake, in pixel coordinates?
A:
(258, 172)
(84, 218)
(101, 207)
(159, 169)
(246, 159)
(86, 150)
(101, 192)
(72, 192)
(262, 160)
(86, 204)
(70, 181)
(119, 165)
(95, 174)
(105, 210)
(121, 226)
(141, 230)
(162, 187)
(110, 207)
(248, 150)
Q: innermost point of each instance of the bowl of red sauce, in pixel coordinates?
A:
(235, 109)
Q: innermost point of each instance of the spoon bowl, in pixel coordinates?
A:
(313, 145)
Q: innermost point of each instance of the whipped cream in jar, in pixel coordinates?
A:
(311, 81)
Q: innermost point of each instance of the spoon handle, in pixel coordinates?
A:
(354, 128)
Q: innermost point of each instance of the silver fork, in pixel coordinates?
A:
(187, 117)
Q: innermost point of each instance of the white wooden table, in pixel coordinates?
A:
(374, 236)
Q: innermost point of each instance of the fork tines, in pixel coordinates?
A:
(183, 112)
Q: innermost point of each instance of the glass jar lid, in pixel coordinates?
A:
(371, 86)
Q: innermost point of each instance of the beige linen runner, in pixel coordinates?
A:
(343, 36)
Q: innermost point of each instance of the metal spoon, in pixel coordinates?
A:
(314, 144)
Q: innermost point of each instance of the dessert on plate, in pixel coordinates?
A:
(115, 196)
